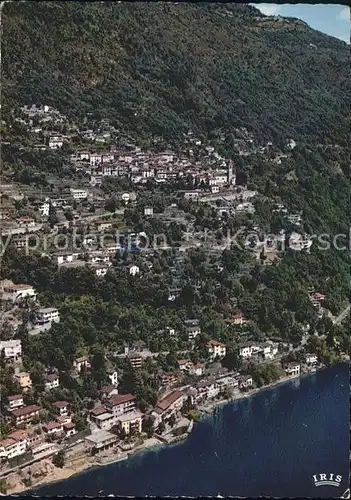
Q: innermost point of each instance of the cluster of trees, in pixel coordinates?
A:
(266, 374)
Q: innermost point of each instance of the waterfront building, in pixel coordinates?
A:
(311, 359)
(207, 389)
(292, 369)
(168, 406)
(100, 441)
(245, 381)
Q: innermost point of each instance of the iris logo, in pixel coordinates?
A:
(326, 479)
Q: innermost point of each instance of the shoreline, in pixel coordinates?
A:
(208, 410)
(84, 462)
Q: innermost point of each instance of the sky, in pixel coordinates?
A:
(331, 19)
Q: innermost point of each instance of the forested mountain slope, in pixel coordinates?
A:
(163, 68)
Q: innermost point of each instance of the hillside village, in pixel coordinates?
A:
(105, 219)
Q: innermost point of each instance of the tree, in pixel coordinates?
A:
(59, 459)
(111, 205)
(3, 486)
(172, 420)
(98, 365)
(147, 427)
(52, 218)
(227, 392)
(161, 428)
(80, 421)
(231, 361)
(69, 215)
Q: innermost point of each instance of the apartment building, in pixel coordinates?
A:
(130, 423)
(79, 194)
(46, 315)
(170, 405)
(25, 414)
(10, 448)
(121, 404)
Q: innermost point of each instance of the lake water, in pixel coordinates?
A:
(270, 444)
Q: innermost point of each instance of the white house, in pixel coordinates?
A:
(18, 292)
(63, 257)
(52, 428)
(44, 209)
(193, 332)
(104, 421)
(79, 363)
(113, 376)
(191, 195)
(100, 269)
(245, 381)
(95, 159)
(311, 359)
(196, 369)
(61, 407)
(15, 401)
(248, 349)
(220, 179)
(69, 429)
(292, 369)
(269, 350)
(46, 315)
(229, 380)
(184, 364)
(79, 194)
(11, 447)
(134, 270)
(52, 381)
(216, 349)
(55, 142)
(12, 349)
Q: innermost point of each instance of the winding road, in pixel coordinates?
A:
(339, 319)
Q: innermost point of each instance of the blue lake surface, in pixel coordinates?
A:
(270, 444)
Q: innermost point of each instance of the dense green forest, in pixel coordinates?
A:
(160, 68)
